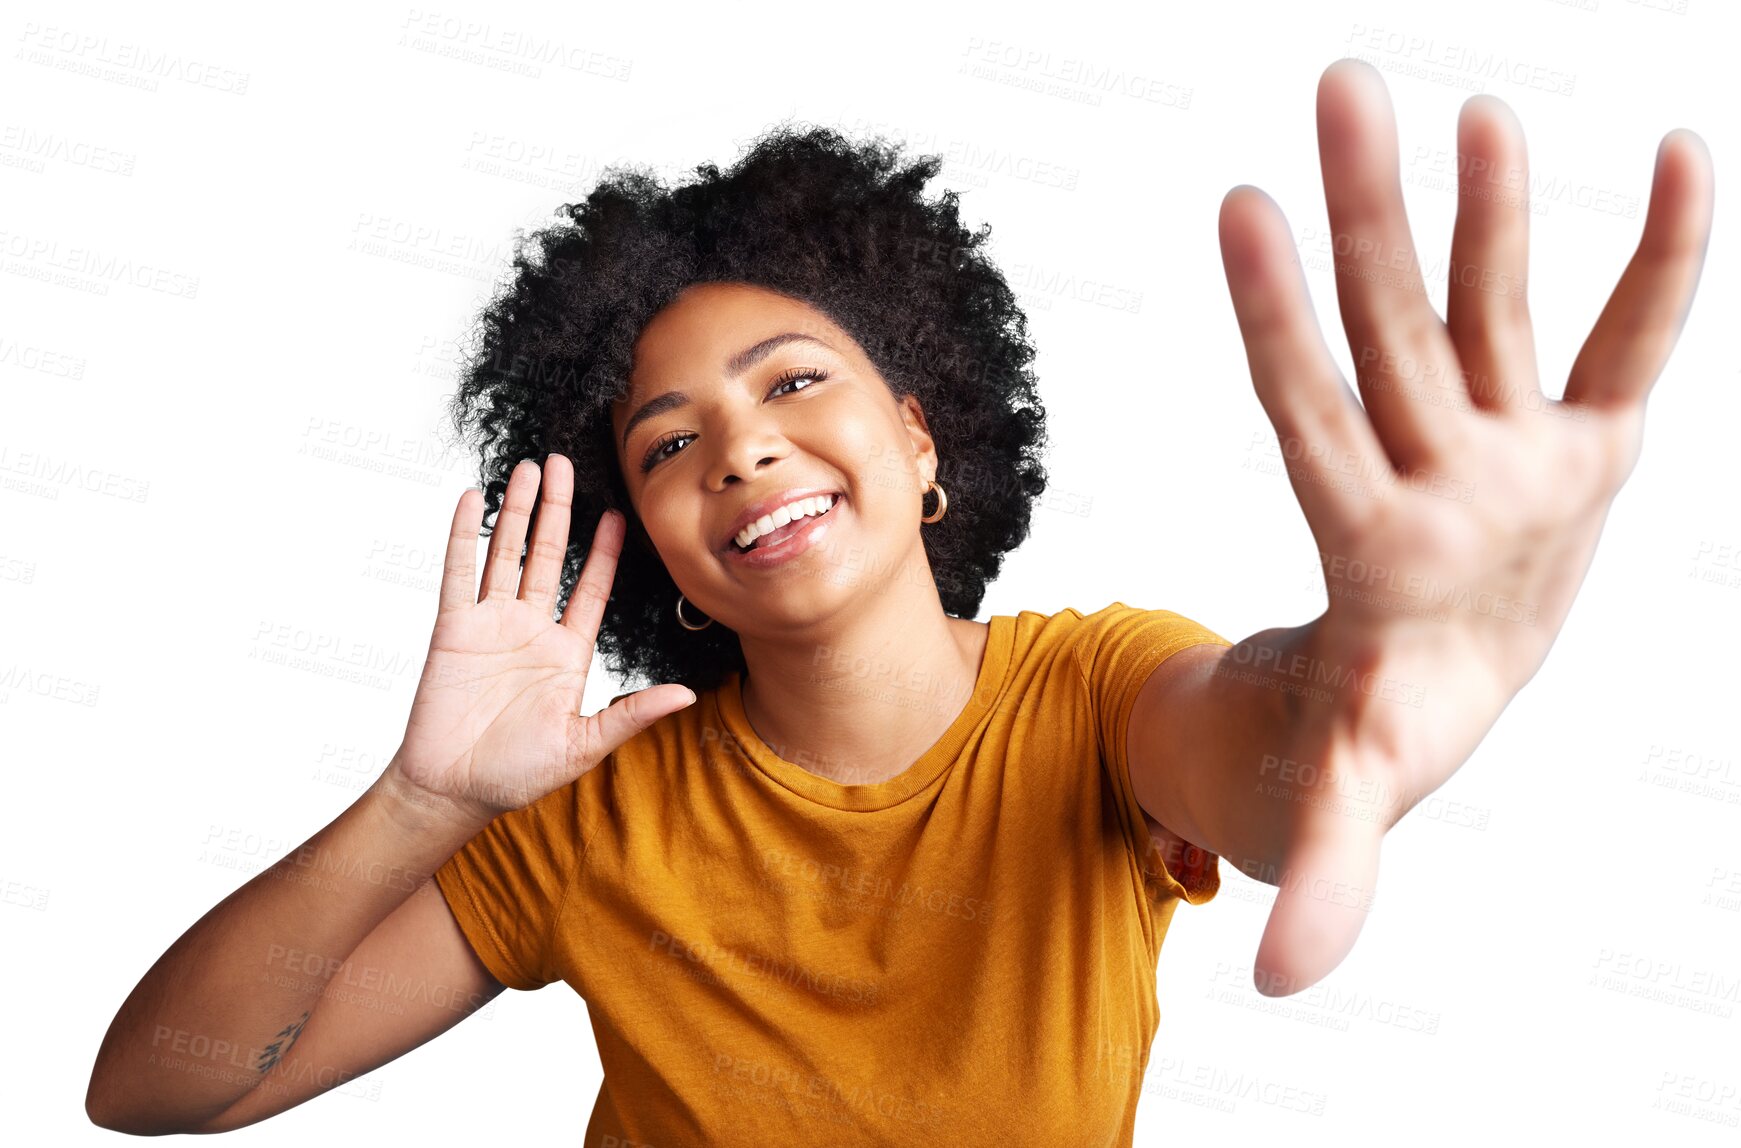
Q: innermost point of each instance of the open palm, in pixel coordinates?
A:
(1455, 508)
(496, 722)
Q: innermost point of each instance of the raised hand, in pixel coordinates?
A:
(1455, 512)
(496, 722)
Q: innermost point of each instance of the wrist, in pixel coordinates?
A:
(414, 806)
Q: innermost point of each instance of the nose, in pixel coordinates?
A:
(745, 442)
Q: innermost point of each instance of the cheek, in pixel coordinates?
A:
(664, 524)
(870, 448)
(678, 541)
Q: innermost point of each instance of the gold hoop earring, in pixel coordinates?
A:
(684, 622)
(942, 502)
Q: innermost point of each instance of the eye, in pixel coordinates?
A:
(814, 374)
(656, 453)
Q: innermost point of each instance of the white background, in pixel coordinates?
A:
(249, 443)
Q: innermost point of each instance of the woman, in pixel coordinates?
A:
(880, 873)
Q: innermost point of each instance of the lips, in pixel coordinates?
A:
(797, 537)
(767, 506)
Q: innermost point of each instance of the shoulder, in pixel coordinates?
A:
(1081, 634)
(1059, 625)
(1118, 630)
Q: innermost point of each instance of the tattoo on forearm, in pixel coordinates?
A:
(275, 1051)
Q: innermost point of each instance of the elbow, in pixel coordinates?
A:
(101, 1112)
(121, 1122)
(115, 1119)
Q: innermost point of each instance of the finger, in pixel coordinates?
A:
(1332, 454)
(1486, 306)
(1642, 320)
(459, 568)
(586, 602)
(1398, 343)
(1325, 893)
(508, 538)
(549, 547)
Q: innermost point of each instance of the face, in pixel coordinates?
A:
(728, 414)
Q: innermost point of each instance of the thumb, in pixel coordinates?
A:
(628, 715)
(1326, 889)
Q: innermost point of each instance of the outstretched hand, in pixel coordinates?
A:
(1455, 507)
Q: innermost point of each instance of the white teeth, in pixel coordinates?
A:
(801, 508)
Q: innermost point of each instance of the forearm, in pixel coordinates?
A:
(1269, 725)
(224, 1003)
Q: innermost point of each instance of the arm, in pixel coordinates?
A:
(410, 980)
(242, 997)
(1292, 753)
(233, 1024)
(1188, 739)
(1225, 742)
(1455, 508)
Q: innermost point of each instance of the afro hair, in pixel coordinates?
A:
(843, 227)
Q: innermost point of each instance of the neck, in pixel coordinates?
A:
(859, 696)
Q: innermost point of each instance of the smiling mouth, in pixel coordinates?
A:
(780, 533)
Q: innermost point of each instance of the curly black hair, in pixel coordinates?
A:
(838, 225)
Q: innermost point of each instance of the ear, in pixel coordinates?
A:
(924, 449)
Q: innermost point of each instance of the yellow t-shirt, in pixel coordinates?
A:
(964, 954)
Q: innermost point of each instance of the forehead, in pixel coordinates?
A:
(707, 323)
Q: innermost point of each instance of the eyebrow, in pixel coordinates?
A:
(735, 365)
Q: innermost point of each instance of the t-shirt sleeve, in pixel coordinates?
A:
(1116, 651)
(506, 886)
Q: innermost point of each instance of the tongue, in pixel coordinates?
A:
(780, 532)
